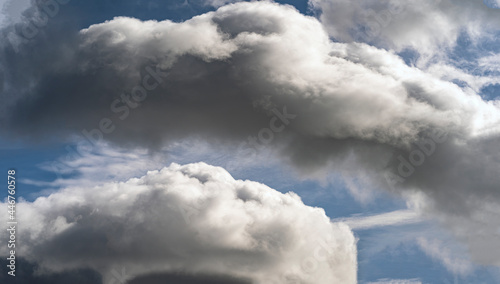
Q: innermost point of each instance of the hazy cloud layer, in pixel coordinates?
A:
(186, 220)
(265, 70)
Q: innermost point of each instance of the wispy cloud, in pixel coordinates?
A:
(394, 218)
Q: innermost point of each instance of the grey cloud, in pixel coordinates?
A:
(210, 76)
(27, 272)
(187, 279)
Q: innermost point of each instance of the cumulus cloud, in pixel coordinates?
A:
(186, 223)
(264, 70)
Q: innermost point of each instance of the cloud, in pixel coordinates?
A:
(478, 228)
(185, 220)
(101, 164)
(428, 27)
(27, 272)
(284, 59)
(187, 279)
(399, 217)
(255, 74)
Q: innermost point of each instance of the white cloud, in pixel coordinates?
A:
(474, 82)
(194, 218)
(490, 63)
(432, 29)
(428, 27)
(99, 164)
(399, 217)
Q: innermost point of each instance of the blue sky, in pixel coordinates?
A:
(418, 250)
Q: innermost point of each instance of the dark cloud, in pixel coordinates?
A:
(186, 279)
(28, 272)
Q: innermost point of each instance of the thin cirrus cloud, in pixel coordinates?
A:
(186, 223)
(221, 75)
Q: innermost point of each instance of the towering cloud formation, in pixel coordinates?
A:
(221, 75)
(193, 220)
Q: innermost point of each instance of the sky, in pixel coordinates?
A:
(269, 142)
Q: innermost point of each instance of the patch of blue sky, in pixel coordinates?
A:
(490, 92)
(175, 10)
(301, 5)
(494, 4)
(393, 252)
(401, 260)
(467, 52)
(410, 56)
(331, 195)
(86, 13)
(27, 159)
(329, 192)
(35, 165)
